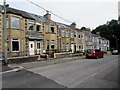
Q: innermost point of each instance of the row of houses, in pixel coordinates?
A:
(31, 34)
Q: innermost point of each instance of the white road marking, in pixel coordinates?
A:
(13, 70)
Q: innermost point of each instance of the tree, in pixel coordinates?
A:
(108, 30)
(83, 28)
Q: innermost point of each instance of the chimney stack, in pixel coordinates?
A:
(47, 15)
(73, 25)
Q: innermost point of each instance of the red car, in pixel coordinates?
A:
(90, 53)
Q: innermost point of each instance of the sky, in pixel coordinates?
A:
(87, 13)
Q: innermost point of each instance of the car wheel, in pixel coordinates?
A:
(86, 57)
(97, 57)
(102, 56)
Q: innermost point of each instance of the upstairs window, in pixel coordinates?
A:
(7, 21)
(15, 22)
(63, 33)
(31, 26)
(47, 28)
(72, 34)
(38, 27)
(79, 36)
(52, 28)
(67, 33)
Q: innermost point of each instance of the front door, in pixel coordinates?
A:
(31, 47)
(38, 48)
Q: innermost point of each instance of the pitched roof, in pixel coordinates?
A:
(25, 14)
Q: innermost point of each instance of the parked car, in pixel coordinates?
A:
(90, 53)
(115, 52)
(105, 52)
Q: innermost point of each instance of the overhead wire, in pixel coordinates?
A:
(49, 11)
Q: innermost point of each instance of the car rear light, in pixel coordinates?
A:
(93, 51)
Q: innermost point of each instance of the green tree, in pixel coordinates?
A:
(109, 30)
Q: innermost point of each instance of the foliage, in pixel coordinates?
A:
(109, 30)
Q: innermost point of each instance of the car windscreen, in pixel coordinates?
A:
(89, 51)
(97, 50)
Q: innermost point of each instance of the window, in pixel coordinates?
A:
(47, 43)
(52, 28)
(7, 21)
(72, 34)
(63, 47)
(52, 44)
(67, 33)
(47, 28)
(31, 26)
(63, 33)
(67, 47)
(38, 45)
(15, 45)
(79, 36)
(15, 22)
(79, 47)
(38, 27)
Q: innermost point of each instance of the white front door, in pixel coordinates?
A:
(31, 47)
(38, 48)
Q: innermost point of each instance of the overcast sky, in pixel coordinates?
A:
(88, 13)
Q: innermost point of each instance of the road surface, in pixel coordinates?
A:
(85, 73)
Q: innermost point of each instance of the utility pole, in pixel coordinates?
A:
(5, 34)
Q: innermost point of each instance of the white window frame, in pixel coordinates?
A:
(38, 48)
(7, 21)
(72, 34)
(40, 29)
(63, 47)
(67, 47)
(37, 45)
(47, 28)
(53, 27)
(16, 18)
(63, 33)
(67, 33)
(18, 42)
(30, 22)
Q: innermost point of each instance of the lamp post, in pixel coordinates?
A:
(116, 39)
(5, 34)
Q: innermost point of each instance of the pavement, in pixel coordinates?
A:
(41, 63)
(47, 62)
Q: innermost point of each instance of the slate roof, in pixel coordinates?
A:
(25, 14)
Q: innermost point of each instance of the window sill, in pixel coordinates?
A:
(15, 51)
(50, 33)
(15, 29)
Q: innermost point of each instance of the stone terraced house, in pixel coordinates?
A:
(30, 34)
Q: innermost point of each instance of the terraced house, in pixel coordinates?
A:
(30, 34)
(25, 33)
